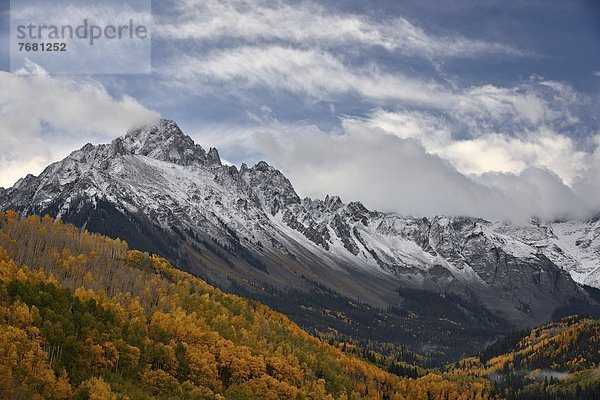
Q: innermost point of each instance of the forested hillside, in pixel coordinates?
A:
(560, 360)
(84, 317)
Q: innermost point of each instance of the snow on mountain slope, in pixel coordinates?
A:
(162, 192)
(579, 242)
(572, 245)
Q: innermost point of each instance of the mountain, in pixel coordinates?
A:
(84, 317)
(246, 230)
(573, 245)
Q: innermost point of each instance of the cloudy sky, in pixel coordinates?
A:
(416, 106)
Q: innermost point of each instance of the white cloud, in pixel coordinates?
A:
(428, 146)
(43, 118)
(310, 24)
(322, 76)
(308, 72)
(390, 173)
(433, 149)
(488, 150)
(496, 102)
(410, 162)
(588, 185)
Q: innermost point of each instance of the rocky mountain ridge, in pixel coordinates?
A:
(157, 189)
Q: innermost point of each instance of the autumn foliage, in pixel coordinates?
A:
(559, 360)
(84, 317)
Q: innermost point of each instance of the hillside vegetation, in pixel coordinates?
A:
(84, 317)
(559, 360)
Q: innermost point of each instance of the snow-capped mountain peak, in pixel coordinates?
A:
(163, 141)
(162, 192)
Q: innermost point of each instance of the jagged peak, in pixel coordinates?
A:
(162, 126)
(333, 202)
(358, 207)
(24, 181)
(273, 189)
(213, 156)
(262, 166)
(88, 146)
(164, 141)
(146, 137)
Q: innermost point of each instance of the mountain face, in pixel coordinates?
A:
(573, 245)
(99, 321)
(248, 228)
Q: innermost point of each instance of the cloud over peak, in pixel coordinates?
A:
(403, 108)
(43, 118)
(399, 174)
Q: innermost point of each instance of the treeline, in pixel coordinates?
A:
(559, 360)
(571, 344)
(581, 386)
(84, 317)
(504, 345)
(428, 330)
(385, 355)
